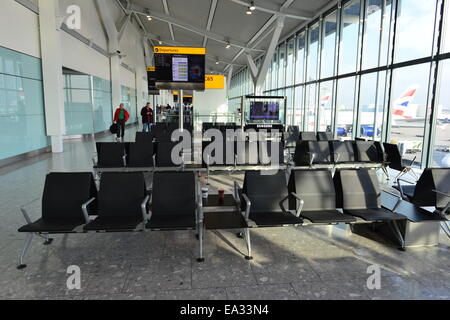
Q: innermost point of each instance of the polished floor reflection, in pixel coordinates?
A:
(320, 262)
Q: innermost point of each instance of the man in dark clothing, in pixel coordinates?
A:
(147, 118)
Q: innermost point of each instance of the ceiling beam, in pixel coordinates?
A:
(276, 13)
(176, 22)
(166, 10)
(266, 26)
(212, 12)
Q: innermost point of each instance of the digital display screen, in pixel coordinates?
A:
(264, 111)
(180, 71)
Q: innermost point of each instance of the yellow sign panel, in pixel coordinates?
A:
(214, 82)
(151, 69)
(175, 93)
(180, 50)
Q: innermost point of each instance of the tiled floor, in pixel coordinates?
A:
(320, 262)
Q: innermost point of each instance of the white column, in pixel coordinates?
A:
(53, 82)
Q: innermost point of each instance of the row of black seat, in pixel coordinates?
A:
(161, 132)
(71, 202)
(135, 155)
(328, 152)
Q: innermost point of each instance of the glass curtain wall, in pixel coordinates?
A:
(22, 116)
(372, 69)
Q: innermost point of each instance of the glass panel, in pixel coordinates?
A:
(18, 64)
(326, 106)
(290, 106)
(290, 62)
(371, 102)
(282, 66)
(446, 29)
(313, 52)
(415, 28)
(274, 70)
(300, 60)
(349, 37)
(441, 150)
(328, 45)
(376, 37)
(408, 109)
(298, 105)
(22, 119)
(102, 104)
(311, 107)
(345, 107)
(78, 104)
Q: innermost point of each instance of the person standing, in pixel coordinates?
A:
(147, 118)
(121, 117)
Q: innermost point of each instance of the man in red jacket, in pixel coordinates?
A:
(121, 117)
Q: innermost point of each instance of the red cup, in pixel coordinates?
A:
(221, 195)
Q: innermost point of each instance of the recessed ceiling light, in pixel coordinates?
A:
(149, 18)
(217, 62)
(252, 6)
(249, 11)
(228, 45)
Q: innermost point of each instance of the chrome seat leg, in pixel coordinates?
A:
(25, 249)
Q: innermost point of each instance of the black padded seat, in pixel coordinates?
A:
(265, 193)
(164, 154)
(66, 225)
(246, 153)
(144, 137)
(119, 202)
(110, 154)
(171, 222)
(343, 151)
(275, 219)
(375, 214)
(422, 193)
(265, 153)
(393, 157)
(308, 136)
(224, 220)
(173, 201)
(116, 224)
(359, 195)
(140, 155)
(325, 136)
(305, 150)
(63, 196)
(316, 189)
(212, 148)
(327, 217)
(368, 151)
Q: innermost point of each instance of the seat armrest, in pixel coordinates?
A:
(124, 160)
(199, 206)
(237, 198)
(400, 186)
(312, 156)
(443, 211)
(337, 156)
(248, 205)
(95, 160)
(399, 199)
(85, 210)
(25, 212)
(300, 205)
(144, 208)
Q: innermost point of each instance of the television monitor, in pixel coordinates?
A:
(180, 68)
(267, 110)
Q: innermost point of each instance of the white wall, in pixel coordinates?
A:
(211, 101)
(19, 28)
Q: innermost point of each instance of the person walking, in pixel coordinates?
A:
(147, 118)
(121, 117)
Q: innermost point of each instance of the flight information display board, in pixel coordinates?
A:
(181, 68)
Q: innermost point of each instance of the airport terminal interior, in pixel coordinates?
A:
(224, 150)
